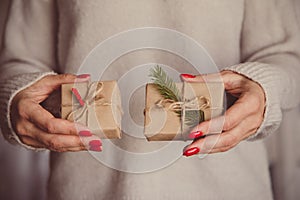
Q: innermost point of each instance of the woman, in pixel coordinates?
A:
(258, 43)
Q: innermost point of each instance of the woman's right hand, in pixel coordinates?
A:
(38, 128)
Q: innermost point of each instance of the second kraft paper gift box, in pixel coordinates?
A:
(168, 119)
(99, 107)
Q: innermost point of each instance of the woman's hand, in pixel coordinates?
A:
(239, 122)
(38, 128)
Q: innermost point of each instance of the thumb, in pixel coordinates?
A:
(215, 77)
(52, 82)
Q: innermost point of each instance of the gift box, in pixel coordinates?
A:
(166, 119)
(96, 105)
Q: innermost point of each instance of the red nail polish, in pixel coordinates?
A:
(85, 133)
(83, 76)
(94, 143)
(188, 76)
(191, 151)
(96, 148)
(195, 134)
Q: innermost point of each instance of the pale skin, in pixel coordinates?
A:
(239, 122)
(36, 127)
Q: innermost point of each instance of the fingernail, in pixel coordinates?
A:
(191, 151)
(195, 134)
(85, 133)
(95, 143)
(95, 148)
(83, 76)
(188, 76)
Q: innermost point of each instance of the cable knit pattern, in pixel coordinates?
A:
(8, 89)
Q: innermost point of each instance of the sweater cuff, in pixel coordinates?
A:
(266, 76)
(8, 90)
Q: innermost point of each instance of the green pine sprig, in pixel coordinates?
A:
(165, 85)
(193, 117)
(168, 89)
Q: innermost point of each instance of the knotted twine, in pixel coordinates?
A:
(92, 99)
(197, 103)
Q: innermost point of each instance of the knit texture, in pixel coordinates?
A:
(59, 35)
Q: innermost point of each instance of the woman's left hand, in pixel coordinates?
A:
(239, 122)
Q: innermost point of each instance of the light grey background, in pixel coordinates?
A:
(23, 173)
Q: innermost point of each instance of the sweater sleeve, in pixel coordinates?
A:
(27, 55)
(270, 56)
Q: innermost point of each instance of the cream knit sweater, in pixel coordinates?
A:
(44, 37)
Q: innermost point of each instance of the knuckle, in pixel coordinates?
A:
(67, 76)
(22, 108)
(226, 142)
(71, 132)
(68, 127)
(50, 127)
(60, 150)
(53, 143)
(202, 127)
(45, 79)
(225, 149)
(229, 141)
(258, 121)
(22, 113)
(228, 123)
(75, 141)
(254, 103)
(23, 140)
(20, 128)
(226, 72)
(254, 123)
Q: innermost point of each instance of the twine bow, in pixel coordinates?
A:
(92, 98)
(199, 103)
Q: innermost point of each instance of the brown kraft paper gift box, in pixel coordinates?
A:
(101, 111)
(162, 121)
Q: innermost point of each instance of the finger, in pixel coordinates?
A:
(53, 81)
(229, 139)
(214, 125)
(58, 141)
(244, 107)
(34, 143)
(71, 149)
(234, 82)
(46, 121)
(31, 142)
(74, 149)
(57, 147)
(67, 142)
(227, 148)
(214, 77)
